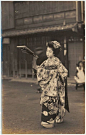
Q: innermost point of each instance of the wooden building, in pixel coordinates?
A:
(33, 23)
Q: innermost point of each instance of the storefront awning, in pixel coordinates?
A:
(12, 33)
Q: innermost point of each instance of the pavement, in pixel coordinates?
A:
(21, 111)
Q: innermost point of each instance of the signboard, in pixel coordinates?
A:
(6, 40)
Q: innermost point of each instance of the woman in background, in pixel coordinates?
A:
(51, 76)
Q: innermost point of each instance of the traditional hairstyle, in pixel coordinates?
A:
(55, 46)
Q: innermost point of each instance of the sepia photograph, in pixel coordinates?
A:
(43, 67)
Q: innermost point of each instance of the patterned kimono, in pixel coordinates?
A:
(50, 75)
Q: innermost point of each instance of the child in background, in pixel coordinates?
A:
(80, 74)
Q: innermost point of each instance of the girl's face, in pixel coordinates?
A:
(49, 52)
(80, 64)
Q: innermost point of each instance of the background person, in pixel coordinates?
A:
(80, 74)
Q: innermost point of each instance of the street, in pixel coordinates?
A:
(21, 111)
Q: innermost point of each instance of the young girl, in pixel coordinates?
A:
(51, 75)
(80, 74)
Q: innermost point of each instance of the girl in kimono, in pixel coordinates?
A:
(51, 75)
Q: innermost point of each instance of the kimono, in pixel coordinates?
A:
(50, 75)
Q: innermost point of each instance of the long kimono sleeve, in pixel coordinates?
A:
(62, 70)
(42, 75)
(63, 97)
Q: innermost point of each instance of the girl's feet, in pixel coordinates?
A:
(47, 125)
(59, 120)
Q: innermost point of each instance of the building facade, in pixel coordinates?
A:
(33, 23)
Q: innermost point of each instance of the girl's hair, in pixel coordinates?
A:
(79, 63)
(55, 51)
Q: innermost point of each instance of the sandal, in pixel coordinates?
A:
(59, 120)
(47, 125)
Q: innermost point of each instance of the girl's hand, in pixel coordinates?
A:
(77, 68)
(37, 66)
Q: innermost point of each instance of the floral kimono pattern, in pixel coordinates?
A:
(50, 75)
